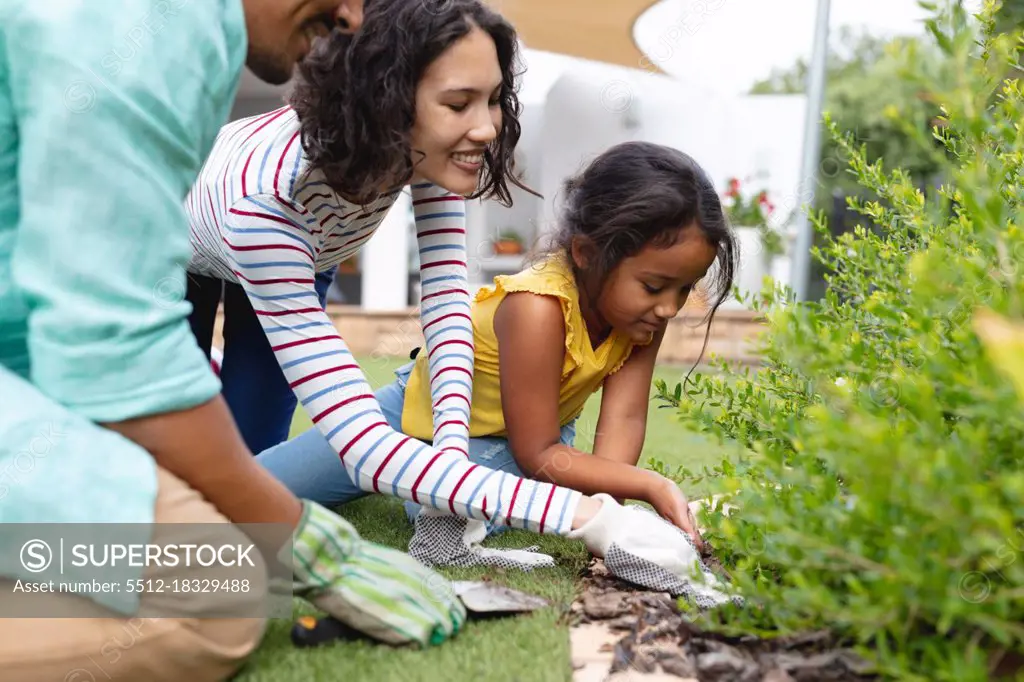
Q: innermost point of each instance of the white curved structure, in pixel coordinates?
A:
(726, 45)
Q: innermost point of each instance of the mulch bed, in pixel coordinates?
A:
(656, 637)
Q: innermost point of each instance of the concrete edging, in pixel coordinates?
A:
(385, 333)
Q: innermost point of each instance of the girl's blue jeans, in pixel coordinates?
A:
(311, 469)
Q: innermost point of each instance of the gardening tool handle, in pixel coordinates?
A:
(311, 631)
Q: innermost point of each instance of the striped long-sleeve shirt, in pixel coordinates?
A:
(262, 217)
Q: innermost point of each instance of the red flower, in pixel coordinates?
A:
(734, 188)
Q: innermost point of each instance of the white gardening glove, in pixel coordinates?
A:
(640, 547)
(442, 539)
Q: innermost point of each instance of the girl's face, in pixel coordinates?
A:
(457, 113)
(643, 292)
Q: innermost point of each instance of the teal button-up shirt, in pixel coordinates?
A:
(107, 112)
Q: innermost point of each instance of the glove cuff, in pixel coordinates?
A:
(285, 555)
(595, 532)
(322, 542)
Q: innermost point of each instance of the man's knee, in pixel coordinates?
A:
(193, 649)
(227, 643)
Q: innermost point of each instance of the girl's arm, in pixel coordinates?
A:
(530, 329)
(622, 424)
(531, 349)
(270, 243)
(445, 312)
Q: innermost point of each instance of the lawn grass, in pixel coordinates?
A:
(531, 647)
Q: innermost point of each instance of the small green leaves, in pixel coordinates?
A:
(878, 482)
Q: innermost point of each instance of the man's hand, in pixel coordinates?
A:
(377, 590)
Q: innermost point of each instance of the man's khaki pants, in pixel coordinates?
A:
(102, 646)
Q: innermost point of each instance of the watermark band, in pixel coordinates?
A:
(212, 570)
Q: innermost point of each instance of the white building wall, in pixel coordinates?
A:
(384, 261)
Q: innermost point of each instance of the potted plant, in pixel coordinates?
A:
(759, 242)
(508, 243)
(349, 266)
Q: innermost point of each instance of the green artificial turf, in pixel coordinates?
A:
(531, 647)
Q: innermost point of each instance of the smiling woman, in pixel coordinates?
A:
(423, 94)
(286, 196)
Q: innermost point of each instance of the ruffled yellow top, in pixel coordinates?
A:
(583, 370)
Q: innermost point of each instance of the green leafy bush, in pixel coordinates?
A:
(880, 492)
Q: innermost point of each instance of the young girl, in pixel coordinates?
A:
(642, 227)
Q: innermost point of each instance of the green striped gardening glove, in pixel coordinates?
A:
(379, 591)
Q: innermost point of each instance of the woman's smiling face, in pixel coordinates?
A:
(458, 113)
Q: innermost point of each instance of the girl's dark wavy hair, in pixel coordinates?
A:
(355, 95)
(637, 194)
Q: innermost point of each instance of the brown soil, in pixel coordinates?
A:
(653, 636)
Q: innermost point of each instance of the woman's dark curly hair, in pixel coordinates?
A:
(355, 95)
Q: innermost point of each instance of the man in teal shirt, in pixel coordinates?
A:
(109, 412)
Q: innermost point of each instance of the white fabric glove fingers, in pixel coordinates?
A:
(521, 558)
(444, 540)
(700, 590)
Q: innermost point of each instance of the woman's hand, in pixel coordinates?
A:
(669, 501)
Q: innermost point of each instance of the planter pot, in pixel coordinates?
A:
(754, 264)
(349, 266)
(507, 248)
(782, 263)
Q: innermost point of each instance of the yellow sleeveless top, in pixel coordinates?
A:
(584, 368)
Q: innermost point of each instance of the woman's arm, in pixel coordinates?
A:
(445, 312)
(270, 247)
(622, 424)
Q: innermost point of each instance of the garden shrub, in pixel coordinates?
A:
(881, 489)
